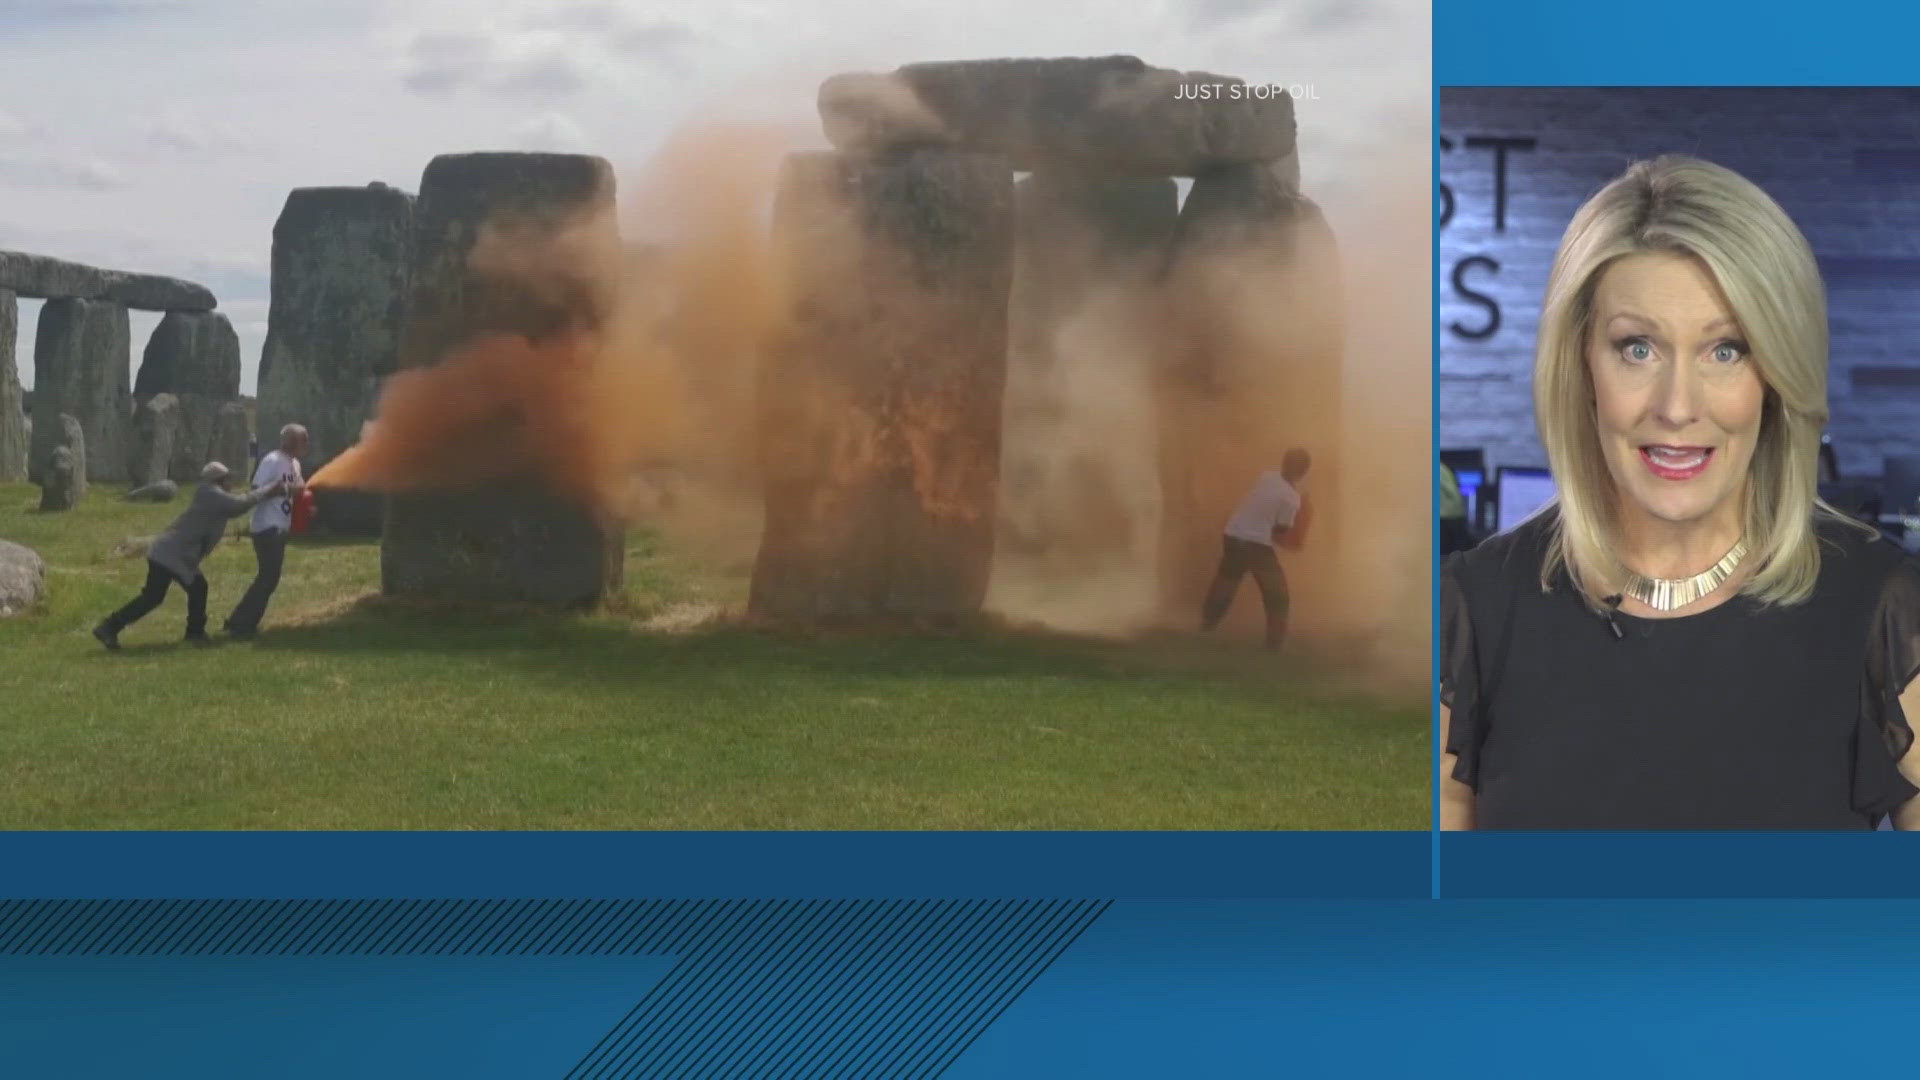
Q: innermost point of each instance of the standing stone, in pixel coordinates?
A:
(512, 542)
(231, 436)
(13, 417)
(80, 369)
(1110, 114)
(194, 359)
(339, 306)
(63, 475)
(1253, 368)
(1078, 373)
(156, 424)
(23, 578)
(519, 540)
(195, 436)
(349, 512)
(1077, 230)
(880, 407)
(62, 480)
(191, 353)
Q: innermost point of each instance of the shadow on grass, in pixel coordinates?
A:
(608, 647)
(156, 648)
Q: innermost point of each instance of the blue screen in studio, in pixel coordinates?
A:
(1523, 491)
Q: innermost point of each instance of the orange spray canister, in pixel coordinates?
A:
(303, 512)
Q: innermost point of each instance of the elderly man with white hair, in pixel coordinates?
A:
(176, 555)
(272, 522)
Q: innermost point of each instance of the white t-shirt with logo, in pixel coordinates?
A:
(277, 512)
(1272, 503)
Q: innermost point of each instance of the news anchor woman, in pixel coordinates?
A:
(1687, 637)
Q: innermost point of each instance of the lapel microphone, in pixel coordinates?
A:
(1613, 605)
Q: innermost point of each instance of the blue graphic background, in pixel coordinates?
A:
(1516, 988)
(404, 987)
(306, 1016)
(1673, 43)
(1483, 989)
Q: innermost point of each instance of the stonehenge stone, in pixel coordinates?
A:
(1091, 226)
(158, 492)
(340, 257)
(80, 362)
(56, 279)
(1252, 368)
(156, 425)
(511, 542)
(209, 429)
(529, 199)
(348, 511)
(1112, 114)
(72, 434)
(13, 416)
(880, 407)
(1087, 254)
(190, 353)
(152, 292)
(232, 435)
(23, 578)
(1253, 208)
(194, 436)
(62, 480)
(519, 540)
(63, 475)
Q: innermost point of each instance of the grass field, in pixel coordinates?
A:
(352, 712)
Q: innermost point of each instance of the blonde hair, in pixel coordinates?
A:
(1768, 275)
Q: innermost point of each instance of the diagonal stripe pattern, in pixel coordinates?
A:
(814, 988)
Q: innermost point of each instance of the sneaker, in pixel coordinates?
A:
(239, 633)
(108, 636)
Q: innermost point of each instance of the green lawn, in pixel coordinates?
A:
(351, 712)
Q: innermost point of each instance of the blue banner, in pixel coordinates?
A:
(1569, 988)
(1164, 865)
(1663, 43)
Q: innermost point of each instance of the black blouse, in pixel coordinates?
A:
(1744, 716)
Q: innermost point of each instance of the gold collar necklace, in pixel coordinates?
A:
(1666, 594)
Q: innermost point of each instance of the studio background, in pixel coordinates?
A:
(1515, 163)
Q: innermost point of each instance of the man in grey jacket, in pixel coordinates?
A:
(176, 554)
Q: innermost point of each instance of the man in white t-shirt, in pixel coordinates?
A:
(1265, 516)
(272, 522)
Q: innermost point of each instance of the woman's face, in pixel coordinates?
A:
(1677, 395)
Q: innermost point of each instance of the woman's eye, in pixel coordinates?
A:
(1727, 352)
(1637, 350)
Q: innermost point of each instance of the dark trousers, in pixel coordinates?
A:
(1237, 559)
(270, 552)
(159, 578)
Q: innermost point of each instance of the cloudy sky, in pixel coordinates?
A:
(164, 135)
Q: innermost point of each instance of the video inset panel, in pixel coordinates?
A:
(1676, 328)
(594, 417)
